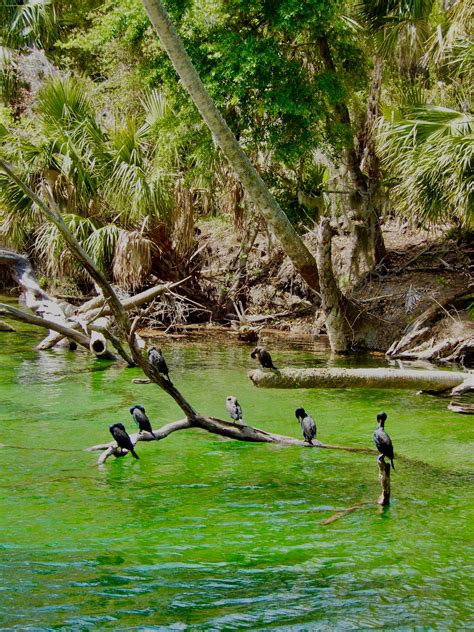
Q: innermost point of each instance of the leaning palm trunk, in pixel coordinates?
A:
(256, 189)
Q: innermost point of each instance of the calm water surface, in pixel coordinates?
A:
(204, 533)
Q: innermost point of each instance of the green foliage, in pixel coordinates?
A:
(429, 151)
(95, 176)
(27, 23)
(290, 77)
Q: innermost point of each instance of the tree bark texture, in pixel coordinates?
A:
(256, 189)
(384, 478)
(334, 303)
(359, 378)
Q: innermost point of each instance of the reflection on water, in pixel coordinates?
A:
(203, 533)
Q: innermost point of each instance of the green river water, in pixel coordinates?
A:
(205, 533)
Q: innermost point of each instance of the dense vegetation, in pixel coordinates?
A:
(354, 110)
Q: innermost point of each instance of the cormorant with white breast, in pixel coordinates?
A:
(382, 441)
(234, 409)
(307, 425)
(122, 438)
(141, 419)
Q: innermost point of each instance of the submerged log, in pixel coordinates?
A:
(437, 381)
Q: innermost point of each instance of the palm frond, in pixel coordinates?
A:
(133, 259)
(100, 245)
(29, 23)
(429, 151)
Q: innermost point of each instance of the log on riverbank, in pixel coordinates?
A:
(434, 381)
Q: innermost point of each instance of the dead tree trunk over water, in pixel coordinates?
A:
(430, 381)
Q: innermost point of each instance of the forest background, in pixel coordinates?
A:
(360, 113)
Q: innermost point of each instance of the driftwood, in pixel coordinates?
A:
(31, 319)
(97, 307)
(419, 343)
(65, 321)
(436, 381)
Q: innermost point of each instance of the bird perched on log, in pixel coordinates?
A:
(307, 425)
(155, 357)
(122, 438)
(263, 357)
(382, 441)
(141, 419)
(234, 409)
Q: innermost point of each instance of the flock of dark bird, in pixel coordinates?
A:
(382, 441)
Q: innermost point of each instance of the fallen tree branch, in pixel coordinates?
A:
(31, 319)
(6, 327)
(96, 307)
(223, 429)
(116, 342)
(358, 378)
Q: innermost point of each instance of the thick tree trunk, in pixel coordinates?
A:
(334, 303)
(360, 378)
(363, 168)
(256, 189)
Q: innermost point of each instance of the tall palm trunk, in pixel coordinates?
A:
(256, 189)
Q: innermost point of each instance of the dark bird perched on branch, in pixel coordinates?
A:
(156, 358)
(234, 409)
(141, 419)
(263, 357)
(122, 438)
(382, 441)
(307, 425)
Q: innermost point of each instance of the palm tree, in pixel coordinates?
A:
(105, 183)
(429, 151)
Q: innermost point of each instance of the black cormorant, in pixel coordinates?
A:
(263, 357)
(156, 358)
(233, 408)
(141, 419)
(307, 425)
(122, 438)
(382, 441)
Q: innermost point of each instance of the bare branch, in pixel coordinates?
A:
(223, 429)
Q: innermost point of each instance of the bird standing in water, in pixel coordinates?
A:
(122, 438)
(155, 357)
(307, 425)
(234, 409)
(141, 419)
(382, 441)
(263, 357)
